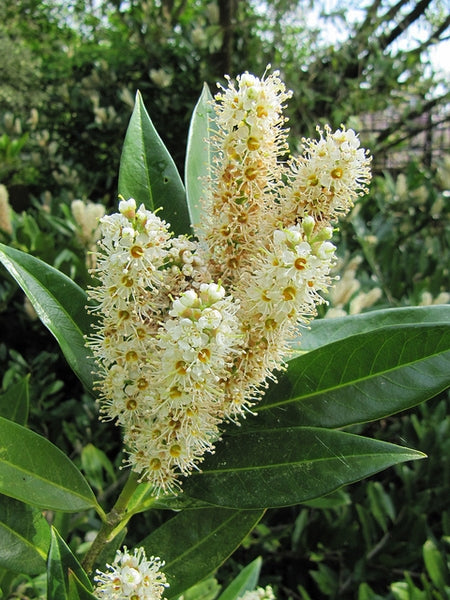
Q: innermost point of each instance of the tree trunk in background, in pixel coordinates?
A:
(227, 21)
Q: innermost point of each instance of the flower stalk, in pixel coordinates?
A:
(117, 516)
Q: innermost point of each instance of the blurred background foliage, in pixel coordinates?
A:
(69, 71)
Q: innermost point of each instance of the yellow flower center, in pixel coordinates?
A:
(289, 293)
(337, 173)
(175, 451)
(251, 173)
(137, 251)
(181, 367)
(175, 392)
(127, 281)
(261, 111)
(253, 143)
(270, 324)
(204, 355)
(300, 263)
(142, 383)
(155, 464)
(233, 262)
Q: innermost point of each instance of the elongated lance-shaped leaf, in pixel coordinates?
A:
(60, 304)
(195, 543)
(35, 471)
(199, 154)
(148, 174)
(437, 567)
(14, 403)
(283, 467)
(24, 537)
(78, 591)
(324, 331)
(204, 590)
(245, 581)
(60, 565)
(360, 378)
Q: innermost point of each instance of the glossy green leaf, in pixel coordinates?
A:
(282, 467)
(326, 580)
(407, 590)
(35, 471)
(436, 566)
(245, 581)
(381, 506)
(143, 499)
(365, 592)
(148, 174)
(60, 304)
(78, 591)
(61, 562)
(199, 153)
(24, 537)
(57, 576)
(14, 402)
(95, 464)
(325, 331)
(195, 543)
(207, 589)
(337, 498)
(359, 379)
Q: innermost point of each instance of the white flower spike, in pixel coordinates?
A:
(131, 577)
(190, 332)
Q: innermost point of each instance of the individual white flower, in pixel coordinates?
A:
(131, 576)
(127, 208)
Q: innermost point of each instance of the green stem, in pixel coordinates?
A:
(113, 519)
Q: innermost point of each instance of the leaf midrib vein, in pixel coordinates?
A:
(350, 382)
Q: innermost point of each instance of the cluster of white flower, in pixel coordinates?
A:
(249, 140)
(86, 216)
(190, 332)
(131, 576)
(259, 594)
(329, 176)
(195, 350)
(166, 342)
(5, 211)
(134, 577)
(346, 297)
